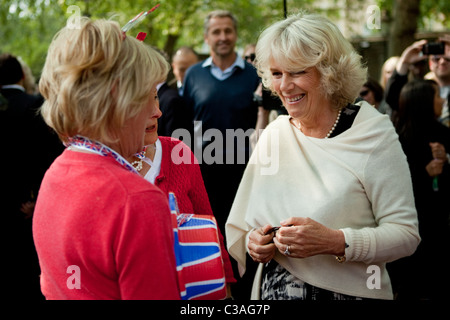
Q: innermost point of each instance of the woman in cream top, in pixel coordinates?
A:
(331, 175)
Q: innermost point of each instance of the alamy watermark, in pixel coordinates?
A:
(74, 21)
(214, 147)
(74, 280)
(373, 17)
(374, 280)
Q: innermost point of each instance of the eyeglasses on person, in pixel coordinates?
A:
(250, 57)
(436, 58)
(364, 93)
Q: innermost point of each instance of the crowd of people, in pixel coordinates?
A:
(362, 179)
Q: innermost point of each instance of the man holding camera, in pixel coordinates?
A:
(438, 54)
(440, 66)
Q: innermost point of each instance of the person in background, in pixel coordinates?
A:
(426, 143)
(19, 123)
(219, 91)
(440, 66)
(263, 114)
(175, 114)
(249, 53)
(183, 58)
(332, 209)
(387, 70)
(29, 147)
(372, 92)
(102, 231)
(29, 82)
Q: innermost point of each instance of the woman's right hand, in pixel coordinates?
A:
(260, 245)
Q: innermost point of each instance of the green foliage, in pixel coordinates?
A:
(27, 26)
(430, 10)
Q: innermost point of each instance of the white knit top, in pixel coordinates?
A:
(358, 181)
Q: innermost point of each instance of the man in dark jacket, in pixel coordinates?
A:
(28, 148)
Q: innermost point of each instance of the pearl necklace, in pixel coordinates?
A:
(334, 125)
(332, 128)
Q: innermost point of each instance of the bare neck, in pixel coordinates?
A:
(223, 62)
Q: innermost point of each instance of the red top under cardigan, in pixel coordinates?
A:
(186, 181)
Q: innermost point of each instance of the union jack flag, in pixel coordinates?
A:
(201, 275)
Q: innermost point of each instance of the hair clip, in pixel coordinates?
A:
(133, 22)
(141, 36)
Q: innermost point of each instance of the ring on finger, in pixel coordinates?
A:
(287, 252)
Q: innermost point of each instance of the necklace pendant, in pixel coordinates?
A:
(137, 165)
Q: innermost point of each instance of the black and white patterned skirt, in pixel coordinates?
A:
(279, 284)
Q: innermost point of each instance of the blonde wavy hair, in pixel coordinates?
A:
(309, 40)
(94, 80)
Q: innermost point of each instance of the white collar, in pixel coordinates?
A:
(239, 62)
(155, 169)
(13, 86)
(220, 74)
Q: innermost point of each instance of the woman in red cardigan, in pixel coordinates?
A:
(170, 164)
(100, 230)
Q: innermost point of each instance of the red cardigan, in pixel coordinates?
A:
(102, 232)
(186, 182)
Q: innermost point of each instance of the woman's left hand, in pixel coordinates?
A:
(306, 237)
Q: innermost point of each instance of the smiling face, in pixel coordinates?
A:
(299, 90)
(221, 36)
(440, 65)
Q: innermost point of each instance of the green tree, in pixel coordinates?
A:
(404, 25)
(410, 16)
(27, 26)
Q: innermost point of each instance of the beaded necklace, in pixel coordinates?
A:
(332, 128)
(334, 125)
(83, 143)
(138, 165)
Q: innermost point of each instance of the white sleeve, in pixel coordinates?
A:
(387, 181)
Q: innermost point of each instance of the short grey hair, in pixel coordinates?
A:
(309, 40)
(219, 14)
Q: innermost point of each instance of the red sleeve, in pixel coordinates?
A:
(145, 256)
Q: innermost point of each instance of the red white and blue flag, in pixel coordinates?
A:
(200, 269)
